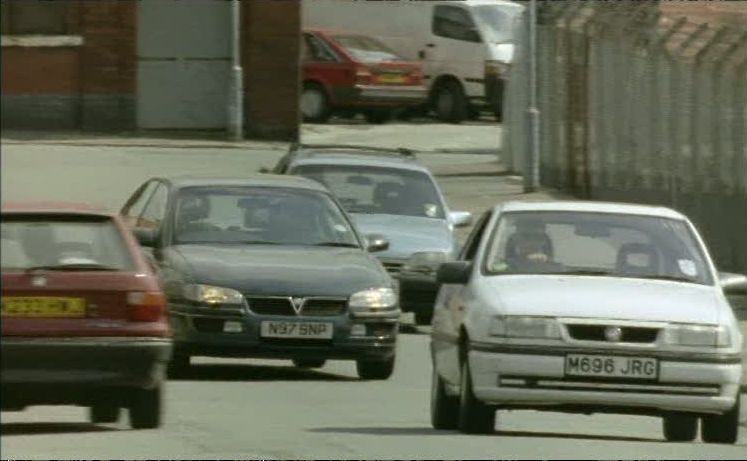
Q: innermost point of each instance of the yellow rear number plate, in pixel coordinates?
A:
(391, 78)
(44, 307)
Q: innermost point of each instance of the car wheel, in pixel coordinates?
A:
(314, 103)
(423, 317)
(475, 417)
(309, 363)
(377, 116)
(450, 103)
(103, 413)
(721, 428)
(680, 427)
(178, 365)
(378, 369)
(145, 409)
(444, 408)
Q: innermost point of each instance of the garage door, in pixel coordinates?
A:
(183, 64)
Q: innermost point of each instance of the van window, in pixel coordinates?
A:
(455, 23)
(499, 23)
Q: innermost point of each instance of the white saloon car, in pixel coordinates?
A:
(587, 307)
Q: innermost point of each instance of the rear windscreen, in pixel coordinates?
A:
(85, 242)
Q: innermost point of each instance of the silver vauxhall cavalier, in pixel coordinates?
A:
(587, 307)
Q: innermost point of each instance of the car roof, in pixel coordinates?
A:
(263, 180)
(55, 207)
(353, 155)
(590, 207)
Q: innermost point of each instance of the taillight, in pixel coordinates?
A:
(362, 76)
(145, 306)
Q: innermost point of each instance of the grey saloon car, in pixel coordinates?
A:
(387, 191)
(266, 267)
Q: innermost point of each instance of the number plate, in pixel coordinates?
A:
(311, 330)
(43, 307)
(611, 366)
(391, 78)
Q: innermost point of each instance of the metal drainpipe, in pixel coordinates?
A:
(531, 173)
(236, 91)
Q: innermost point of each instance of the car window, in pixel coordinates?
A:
(499, 22)
(53, 240)
(473, 241)
(155, 210)
(132, 211)
(596, 243)
(314, 49)
(366, 49)
(378, 190)
(260, 215)
(453, 22)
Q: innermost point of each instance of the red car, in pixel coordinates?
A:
(84, 319)
(347, 73)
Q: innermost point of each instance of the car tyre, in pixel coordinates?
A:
(377, 116)
(423, 317)
(444, 408)
(721, 428)
(145, 409)
(178, 365)
(449, 102)
(375, 369)
(314, 103)
(103, 413)
(679, 427)
(475, 417)
(309, 363)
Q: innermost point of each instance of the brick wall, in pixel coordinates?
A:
(66, 86)
(270, 54)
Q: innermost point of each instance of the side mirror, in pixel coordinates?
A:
(376, 242)
(460, 218)
(424, 263)
(455, 272)
(733, 284)
(146, 237)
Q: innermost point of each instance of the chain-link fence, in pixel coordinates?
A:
(641, 108)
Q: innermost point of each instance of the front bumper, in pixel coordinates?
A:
(62, 370)
(202, 334)
(374, 96)
(537, 381)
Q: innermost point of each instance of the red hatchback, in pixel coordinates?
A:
(347, 73)
(83, 316)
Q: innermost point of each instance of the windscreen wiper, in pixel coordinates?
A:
(337, 244)
(587, 272)
(72, 267)
(674, 278)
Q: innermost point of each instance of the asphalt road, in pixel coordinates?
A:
(268, 409)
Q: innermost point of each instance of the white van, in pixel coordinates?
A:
(465, 46)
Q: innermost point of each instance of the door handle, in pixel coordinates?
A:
(421, 54)
(430, 45)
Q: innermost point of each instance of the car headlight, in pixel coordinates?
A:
(208, 294)
(525, 327)
(374, 299)
(698, 335)
(496, 68)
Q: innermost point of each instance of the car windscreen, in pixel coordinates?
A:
(74, 242)
(378, 190)
(366, 49)
(604, 244)
(260, 215)
(498, 24)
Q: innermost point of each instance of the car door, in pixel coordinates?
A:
(451, 309)
(322, 64)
